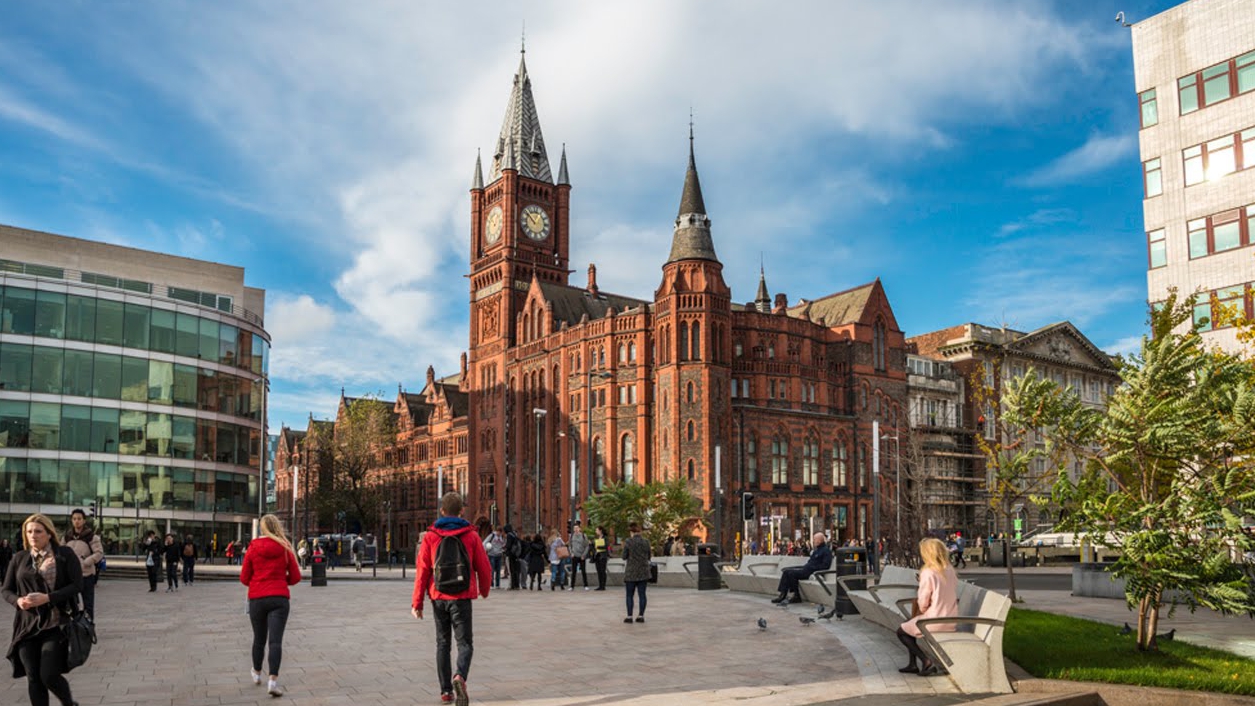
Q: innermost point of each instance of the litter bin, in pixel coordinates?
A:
(850, 561)
(708, 578)
(318, 577)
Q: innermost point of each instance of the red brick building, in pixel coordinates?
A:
(568, 388)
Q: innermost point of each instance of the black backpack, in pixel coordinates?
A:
(452, 570)
(516, 547)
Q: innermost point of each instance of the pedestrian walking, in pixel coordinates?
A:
(536, 557)
(170, 552)
(82, 540)
(636, 555)
(190, 556)
(359, 553)
(43, 583)
(453, 570)
(515, 549)
(230, 552)
(559, 555)
(302, 552)
(270, 567)
(601, 556)
(152, 558)
(579, 547)
(494, 546)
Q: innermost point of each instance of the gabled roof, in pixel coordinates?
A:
(520, 145)
(459, 401)
(1026, 342)
(419, 410)
(571, 304)
(835, 309)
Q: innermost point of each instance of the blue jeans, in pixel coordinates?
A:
(496, 570)
(557, 574)
(635, 588)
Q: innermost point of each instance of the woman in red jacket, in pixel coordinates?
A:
(270, 566)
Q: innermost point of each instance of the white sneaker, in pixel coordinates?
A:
(586, 588)
(256, 677)
(274, 689)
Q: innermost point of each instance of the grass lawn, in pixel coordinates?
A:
(1060, 647)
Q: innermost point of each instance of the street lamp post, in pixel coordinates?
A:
(540, 416)
(588, 412)
(876, 495)
(897, 486)
(263, 443)
(296, 472)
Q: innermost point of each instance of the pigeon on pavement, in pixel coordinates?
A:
(762, 623)
(1168, 636)
(806, 622)
(1126, 629)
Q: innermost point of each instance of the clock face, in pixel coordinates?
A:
(535, 222)
(492, 231)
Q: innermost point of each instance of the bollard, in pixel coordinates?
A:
(319, 575)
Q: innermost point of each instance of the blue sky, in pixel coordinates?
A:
(979, 157)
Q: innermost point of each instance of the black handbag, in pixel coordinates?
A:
(653, 572)
(80, 635)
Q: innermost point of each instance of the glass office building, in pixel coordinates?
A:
(132, 382)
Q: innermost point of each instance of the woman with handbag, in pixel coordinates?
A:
(43, 581)
(152, 560)
(936, 597)
(559, 555)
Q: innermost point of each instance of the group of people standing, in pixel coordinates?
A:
(523, 559)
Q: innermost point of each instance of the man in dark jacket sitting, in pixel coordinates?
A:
(820, 560)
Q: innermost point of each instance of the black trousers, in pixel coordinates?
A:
(43, 658)
(89, 595)
(453, 617)
(152, 577)
(579, 564)
(172, 574)
(912, 646)
(269, 617)
(518, 569)
(600, 562)
(790, 577)
(189, 569)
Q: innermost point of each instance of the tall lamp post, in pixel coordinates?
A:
(876, 495)
(540, 417)
(296, 472)
(897, 485)
(264, 443)
(588, 412)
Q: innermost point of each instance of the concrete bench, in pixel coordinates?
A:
(760, 574)
(881, 601)
(673, 571)
(973, 652)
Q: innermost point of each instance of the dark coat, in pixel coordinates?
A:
(21, 579)
(820, 560)
(173, 553)
(536, 557)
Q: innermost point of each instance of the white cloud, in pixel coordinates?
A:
(1040, 217)
(1124, 346)
(1097, 154)
(294, 320)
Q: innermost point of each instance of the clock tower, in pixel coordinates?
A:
(520, 233)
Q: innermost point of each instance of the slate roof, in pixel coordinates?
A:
(520, 145)
(692, 240)
(420, 411)
(570, 304)
(835, 309)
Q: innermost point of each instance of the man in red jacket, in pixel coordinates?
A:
(453, 611)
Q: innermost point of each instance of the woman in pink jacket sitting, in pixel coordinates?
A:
(935, 599)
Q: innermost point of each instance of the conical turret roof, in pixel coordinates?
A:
(692, 239)
(521, 146)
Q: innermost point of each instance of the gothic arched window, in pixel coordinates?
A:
(696, 339)
(780, 460)
(599, 465)
(684, 341)
(627, 459)
(810, 461)
(878, 344)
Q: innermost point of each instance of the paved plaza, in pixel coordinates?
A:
(354, 642)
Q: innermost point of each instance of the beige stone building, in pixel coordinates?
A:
(1194, 67)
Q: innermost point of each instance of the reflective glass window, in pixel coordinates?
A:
(49, 485)
(45, 426)
(15, 367)
(1150, 108)
(207, 390)
(159, 434)
(80, 318)
(134, 379)
(209, 345)
(1202, 316)
(76, 377)
(14, 424)
(46, 370)
(1158, 248)
(76, 428)
(109, 318)
(224, 491)
(17, 313)
(228, 344)
(50, 314)
(184, 386)
(1246, 72)
(204, 498)
(1227, 236)
(244, 349)
(1194, 170)
(182, 489)
(226, 444)
(247, 446)
(137, 324)
(104, 430)
(1197, 230)
(1187, 89)
(108, 483)
(261, 355)
(183, 437)
(206, 440)
(160, 382)
(161, 331)
(80, 487)
(107, 376)
(187, 335)
(12, 471)
(131, 428)
(1216, 83)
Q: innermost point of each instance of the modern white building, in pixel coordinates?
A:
(1194, 67)
(131, 381)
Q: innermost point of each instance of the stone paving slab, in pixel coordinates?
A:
(355, 643)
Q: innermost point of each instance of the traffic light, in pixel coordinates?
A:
(747, 507)
(94, 508)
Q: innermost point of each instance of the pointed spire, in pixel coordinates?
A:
(477, 181)
(521, 146)
(692, 239)
(562, 175)
(762, 302)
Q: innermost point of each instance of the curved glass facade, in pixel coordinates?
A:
(147, 407)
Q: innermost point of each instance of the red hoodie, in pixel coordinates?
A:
(423, 583)
(269, 568)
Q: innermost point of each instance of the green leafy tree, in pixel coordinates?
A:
(1172, 475)
(1021, 458)
(661, 508)
(352, 450)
